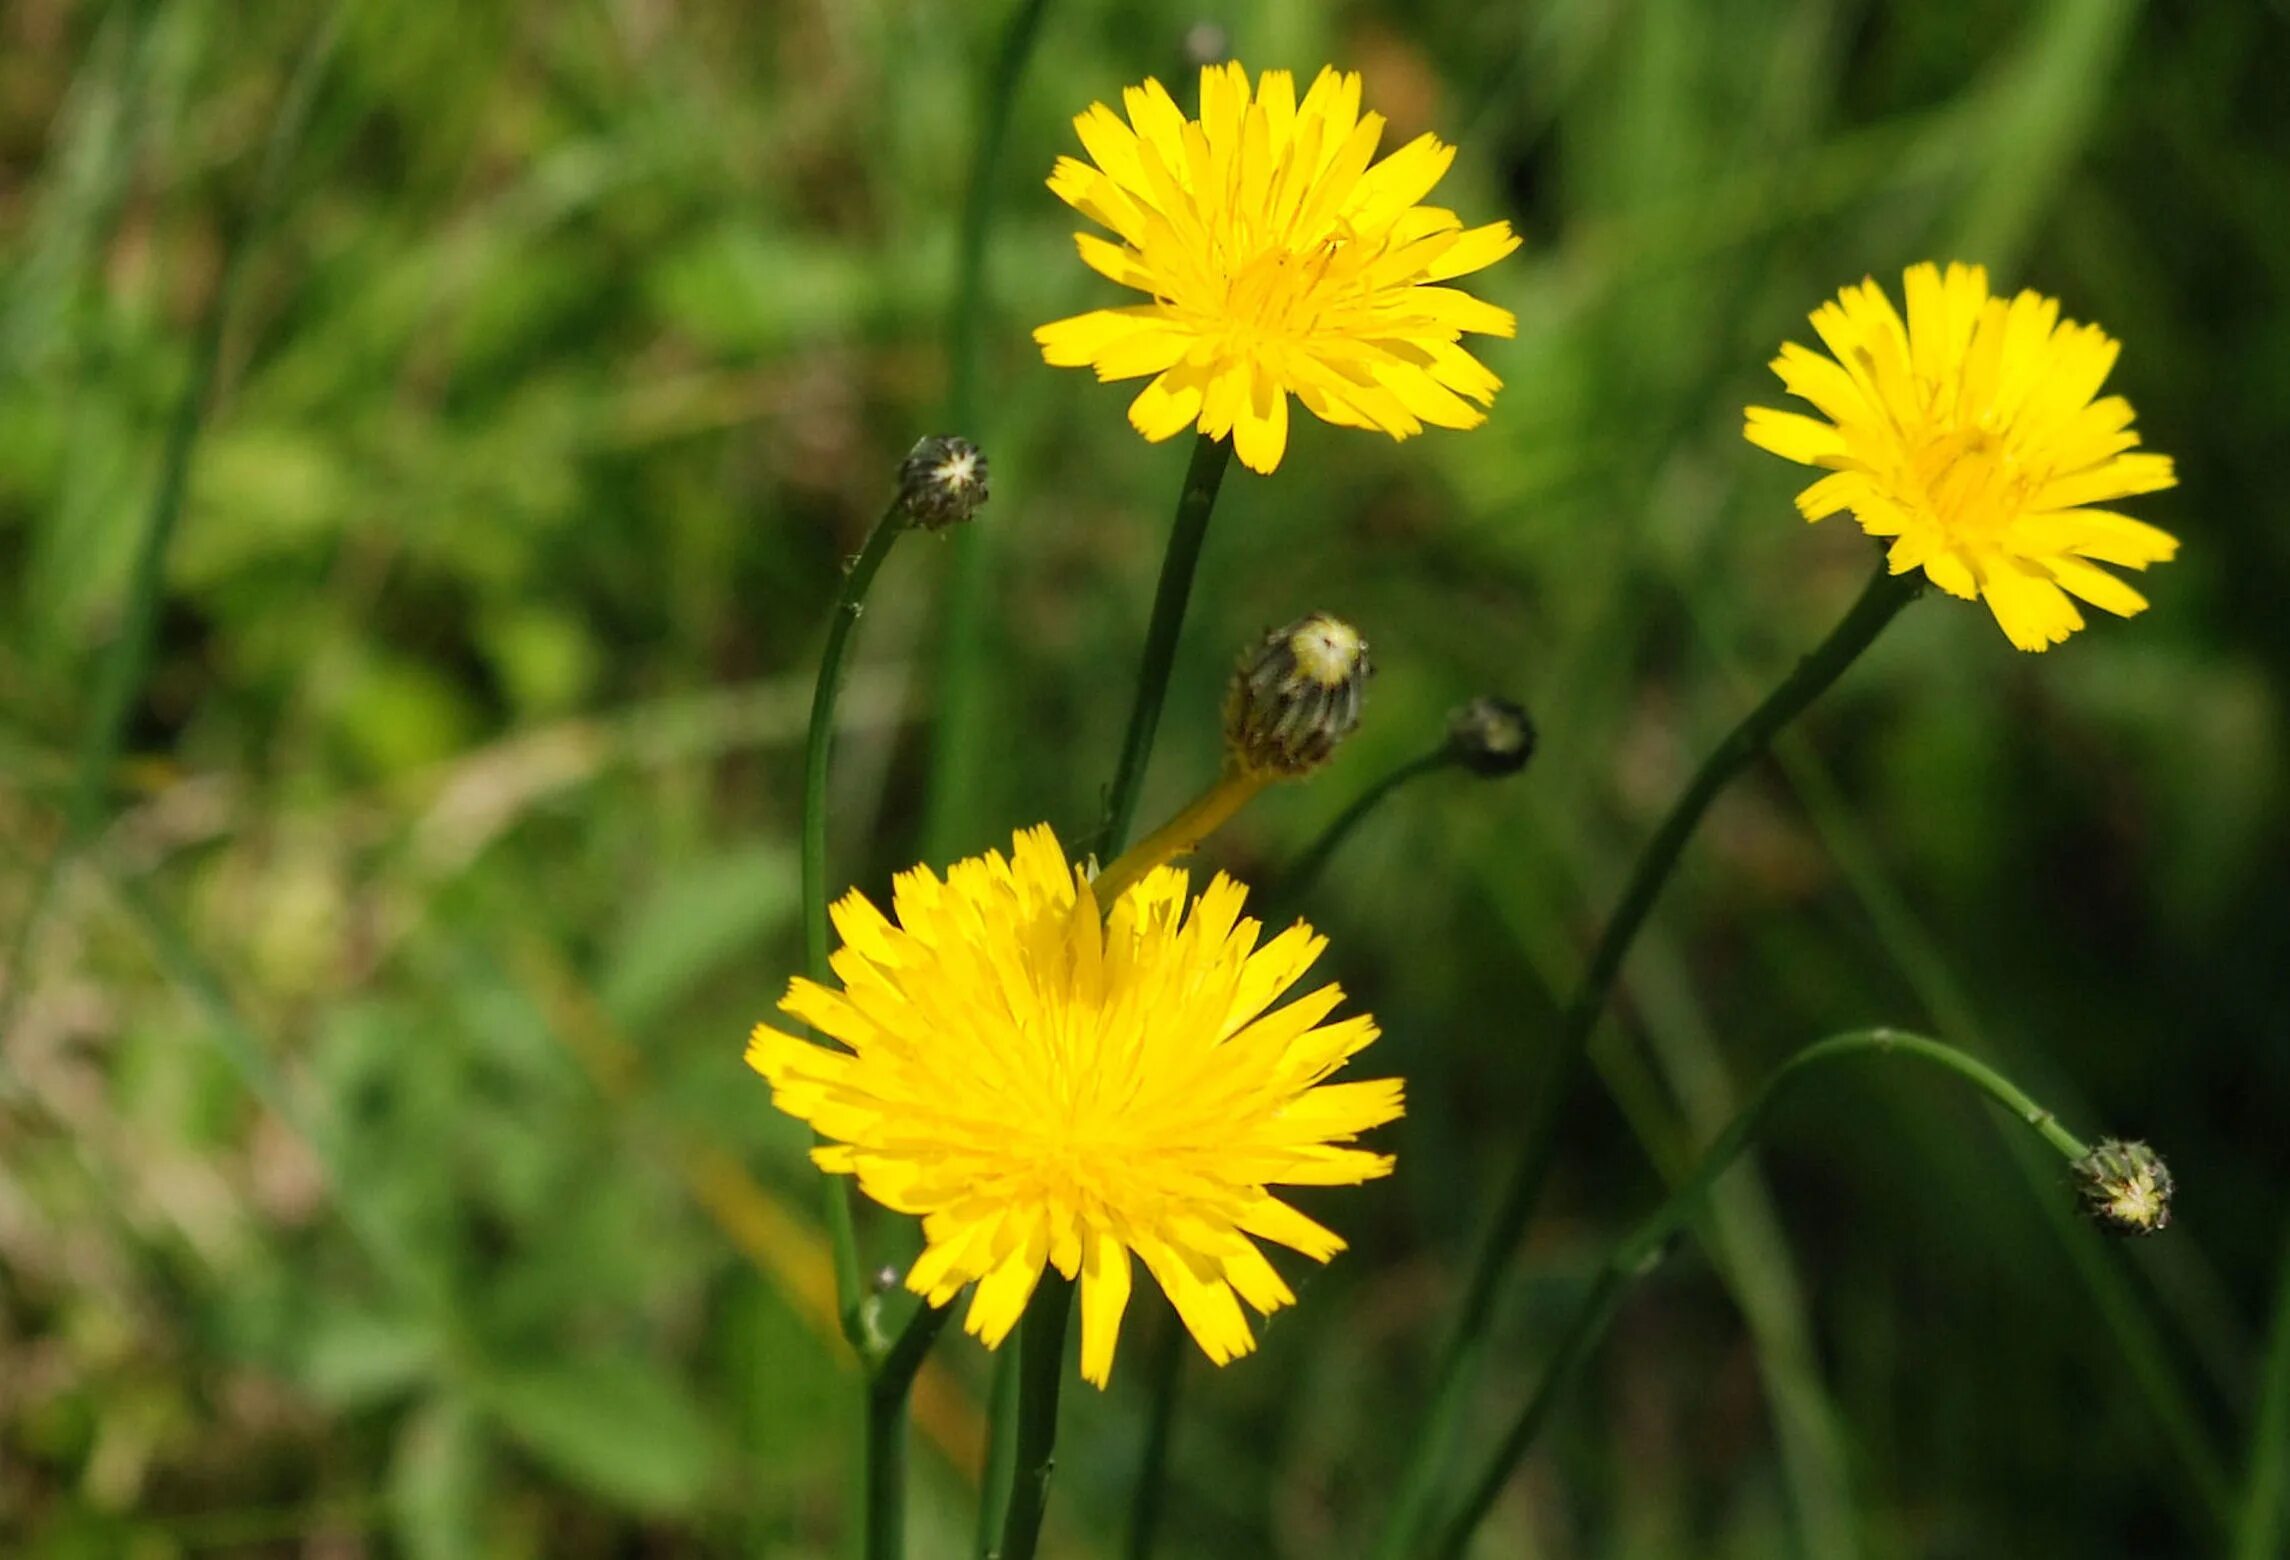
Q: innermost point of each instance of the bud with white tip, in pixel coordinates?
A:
(942, 481)
(1295, 696)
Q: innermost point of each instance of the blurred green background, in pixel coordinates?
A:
(381, 1176)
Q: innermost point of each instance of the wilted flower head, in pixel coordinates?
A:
(1971, 436)
(1048, 1087)
(1278, 263)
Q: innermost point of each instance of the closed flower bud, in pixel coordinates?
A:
(1295, 696)
(942, 482)
(1490, 736)
(2126, 1187)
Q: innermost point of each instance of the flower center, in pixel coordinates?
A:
(1283, 293)
(1969, 479)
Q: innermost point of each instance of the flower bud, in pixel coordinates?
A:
(1295, 696)
(2126, 1187)
(942, 481)
(1490, 737)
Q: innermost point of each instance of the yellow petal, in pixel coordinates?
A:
(1104, 1296)
(1260, 432)
(1205, 1305)
(1169, 405)
(2095, 585)
(2034, 613)
(1793, 436)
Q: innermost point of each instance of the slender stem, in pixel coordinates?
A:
(1307, 866)
(955, 758)
(2259, 1530)
(1641, 1250)
(1001, 1453)
(1877, 605)
(1200, 818)
(1164, 1375)
(1195, 502)
(1041, 1370)
(852, 1305)
(887, 1393)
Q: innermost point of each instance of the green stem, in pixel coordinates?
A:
(1306, 868)
(1642, 1249)
(852, 1305)
(1164, 1375)
(2259, 1531)
(1001, 1453)
(1195, 502)
(1041, 1370)
(955, 759)
(887, 1393)
(1877, 605)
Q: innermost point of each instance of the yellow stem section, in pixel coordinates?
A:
(1181, 835)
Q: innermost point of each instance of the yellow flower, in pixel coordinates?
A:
(1971, 437)
(1278, 263)
(1043, 1087)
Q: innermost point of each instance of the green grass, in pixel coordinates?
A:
(369, 1039)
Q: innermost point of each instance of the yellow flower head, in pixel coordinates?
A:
(1971, 437)
(1279, 263)
(1043, 1087)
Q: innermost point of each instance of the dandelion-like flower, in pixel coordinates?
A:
(1279, 263)
(1045, 1086)
(1971, 436)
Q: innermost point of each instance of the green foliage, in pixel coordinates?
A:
(348, 1077)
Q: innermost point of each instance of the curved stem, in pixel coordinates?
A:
(1877, 605)
(1306, 868)
(954, 758)
(851, 1304)
(1195, 501)
(1641, 1250)
(1041, 1370)
(887, 1393)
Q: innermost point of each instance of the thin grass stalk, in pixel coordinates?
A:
(852, 1304)
(1195, 502)
(1879, 602)
(2259, 1526)
(120, 677)
(1164, 1381)
(954, 758)
(1041, 1372)
(1001, 1453)
(1640, 1251)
